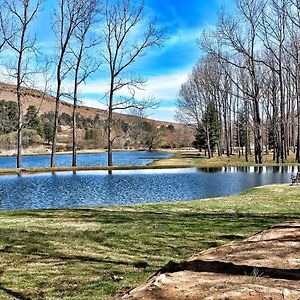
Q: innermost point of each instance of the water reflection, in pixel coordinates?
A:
(252, 169)
(210, 170)
(97, 188)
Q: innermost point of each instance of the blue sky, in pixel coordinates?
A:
(165, 68)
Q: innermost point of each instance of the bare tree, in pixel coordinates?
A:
(4, 30)
(197, 97)
(255, 79)
(16, 18)
(273, 28)
(66, 18)
(294, 52)
(84, 64)
(123, 19)
(235, 42)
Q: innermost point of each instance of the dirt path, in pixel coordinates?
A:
(265, 266)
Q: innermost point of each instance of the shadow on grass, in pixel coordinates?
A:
(132, 230)
(15, 295)
(132, 242)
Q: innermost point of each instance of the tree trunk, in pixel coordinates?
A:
(55, 129)
(109, 125)
(208, 143)
(19, 133)
(257, 133)
(298, 128)
(75, 104)
(247, 146)
(74, 140)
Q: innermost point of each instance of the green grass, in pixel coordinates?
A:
(89, 168)
(194, 159)
(97, 253)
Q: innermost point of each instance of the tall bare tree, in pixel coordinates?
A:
(84, 64)
(124, 44)
(235, 41)
(198, 100)
(66, 19)
(294, 33)
(4, 34)
(16, 18)
(273, 27)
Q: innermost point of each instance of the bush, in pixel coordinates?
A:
(31, 137)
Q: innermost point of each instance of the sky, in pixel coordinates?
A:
(164, 68)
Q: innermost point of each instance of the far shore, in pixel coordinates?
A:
(44, 151)
(34, 152)
(89, 168)
(181, 158)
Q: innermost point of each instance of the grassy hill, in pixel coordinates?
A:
(46, 103)
(131, 131)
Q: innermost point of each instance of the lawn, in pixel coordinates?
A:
(97, 253)
(196, 159)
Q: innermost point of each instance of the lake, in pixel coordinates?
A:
(121, 158)
(98, 188)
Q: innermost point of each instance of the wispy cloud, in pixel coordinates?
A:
(160, 113)
(163, 114)
(162, 87)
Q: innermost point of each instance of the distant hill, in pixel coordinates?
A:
(130, 132)
(46, 103)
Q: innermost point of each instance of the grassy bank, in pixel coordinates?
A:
(96, 253)
(195, 159)
(91, 168)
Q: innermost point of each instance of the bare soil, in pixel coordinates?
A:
(265, 266)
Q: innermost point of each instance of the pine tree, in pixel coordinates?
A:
(241, 129)
(208, 134)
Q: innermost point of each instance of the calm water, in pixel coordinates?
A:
(96, 159)
(62, 190)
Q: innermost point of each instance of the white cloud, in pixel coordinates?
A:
(163, 87)
(160, 113)
(183, 36)
(97, 86)
(163, 114)
(92, 102)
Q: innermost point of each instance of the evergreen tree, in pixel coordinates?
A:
(8, 116)
(33, 121)
(208, 134)
(48, 130)
(241, 129)
(200, 140)
(32, 118)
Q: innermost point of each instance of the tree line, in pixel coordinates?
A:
(132, 133)
(89, 36)
(244, 92)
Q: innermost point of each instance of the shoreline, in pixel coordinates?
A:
(34, 152)
(77, 169)
(89, 151)
(176, 161)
